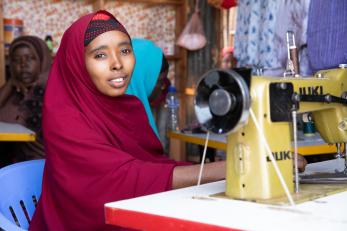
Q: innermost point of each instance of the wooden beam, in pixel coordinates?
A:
(177, 147)
(176, 2)
(99, 5)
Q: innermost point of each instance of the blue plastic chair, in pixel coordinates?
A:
(20, 189)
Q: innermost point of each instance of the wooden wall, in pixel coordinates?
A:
(158, 20)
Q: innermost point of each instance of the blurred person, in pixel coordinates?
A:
(21, 96)
(149, 80)
(228, 59)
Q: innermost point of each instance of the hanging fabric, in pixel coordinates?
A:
(327, 33)
(225, 4)
(291, 16)
(254, 34)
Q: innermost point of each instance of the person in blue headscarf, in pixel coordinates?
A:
(149, 76)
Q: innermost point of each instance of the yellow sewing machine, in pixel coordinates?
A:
(257, 114)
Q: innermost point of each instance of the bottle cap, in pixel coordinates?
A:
(171, 89)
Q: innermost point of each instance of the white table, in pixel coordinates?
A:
(177, 210)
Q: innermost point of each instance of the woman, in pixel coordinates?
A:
(149, 81)
(100, 146)
(21, 96)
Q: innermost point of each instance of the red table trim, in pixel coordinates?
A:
(145, 221)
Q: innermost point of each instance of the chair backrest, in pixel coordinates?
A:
(20, 189)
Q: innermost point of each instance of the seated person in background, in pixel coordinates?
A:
(149, 80)
(161, 88)
(228, 60)
(302, 162)
(99, 144)
(157, 100)
(21, 96)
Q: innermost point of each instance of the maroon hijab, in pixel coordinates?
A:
(99, 149)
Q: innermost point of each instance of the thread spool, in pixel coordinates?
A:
(13, 28)
(309, 128)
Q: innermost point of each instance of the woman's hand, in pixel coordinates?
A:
(301, 163)
(18, 86)
(6, 91)
(184, 176)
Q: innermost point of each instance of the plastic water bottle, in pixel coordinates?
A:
(172, 103)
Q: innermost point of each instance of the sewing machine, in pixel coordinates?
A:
(257, 114)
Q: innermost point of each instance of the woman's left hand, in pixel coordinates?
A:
(19, 86)
(302, 162)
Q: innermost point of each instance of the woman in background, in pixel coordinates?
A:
(228, 60)
(21, 96)
(150, 84)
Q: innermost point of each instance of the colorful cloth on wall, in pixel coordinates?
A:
(292, 16)
(255, 33)
(327, 33)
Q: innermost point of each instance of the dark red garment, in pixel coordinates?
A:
(99, 149)
(226, 4)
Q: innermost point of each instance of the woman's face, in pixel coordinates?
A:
(25, 65)
(110, 62)
(159, 91)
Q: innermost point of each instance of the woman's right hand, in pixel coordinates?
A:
(5, 92)
(18, 86)
(184, 176)
(10, 86)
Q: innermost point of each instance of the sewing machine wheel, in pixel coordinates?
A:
(222, 101)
